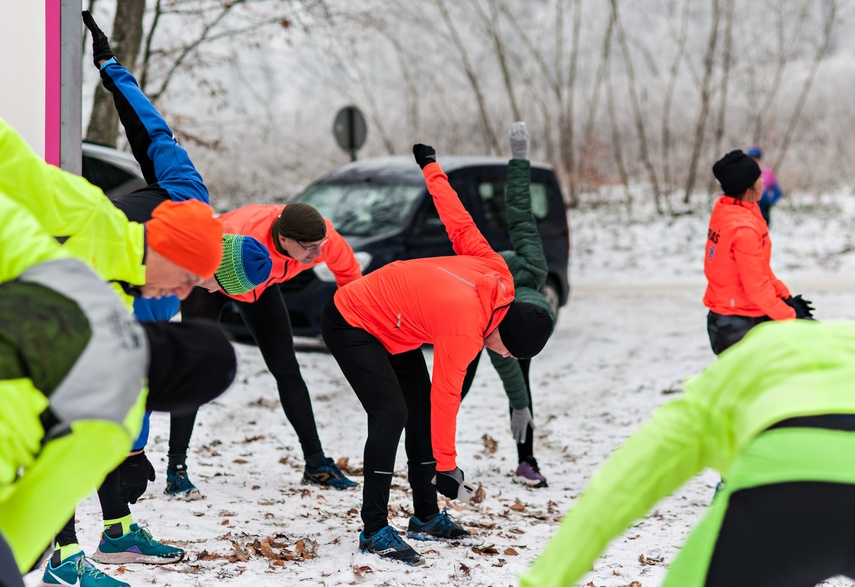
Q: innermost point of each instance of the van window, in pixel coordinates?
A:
(361, 209)
(492, 194)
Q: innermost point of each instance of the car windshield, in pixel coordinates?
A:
(361, 209)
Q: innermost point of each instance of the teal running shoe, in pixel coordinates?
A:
(178, 484)
(388, 544)
(327, 474)
(441, 527)
(137, 546)
(77, 571)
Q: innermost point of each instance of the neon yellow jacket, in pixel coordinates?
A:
(34, 506)
(778, 371)
(69, 207)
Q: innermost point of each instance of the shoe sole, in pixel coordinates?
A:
(122, 558)
(414, 563)
(191, 495)
(533, 483)
(305, 481)
(426, 537)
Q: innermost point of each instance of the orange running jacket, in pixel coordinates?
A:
(451, 302)
(740, 280)
(257, 220)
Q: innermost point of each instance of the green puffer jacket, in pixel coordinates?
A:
(527, 263)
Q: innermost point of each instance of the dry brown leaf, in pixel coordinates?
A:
(208, 556)
(490, 444)
(511, 552)
(465, 569)
(239, 552)
(518, 507)
(120, 570)
(363, 570)
(479, 495)
(267, 550)
(225, 522)
(253, 438)
(240, 461)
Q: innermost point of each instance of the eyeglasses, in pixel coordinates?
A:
(315, 247)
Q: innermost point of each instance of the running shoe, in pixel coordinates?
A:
(441, 527)
(327, 474)
(77, 571)
(388, 544)
(178, 484)
(137, 546)
(528, 474)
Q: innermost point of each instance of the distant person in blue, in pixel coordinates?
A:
(771, 189)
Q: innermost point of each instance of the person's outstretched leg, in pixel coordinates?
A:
(123, 540)
(268, 320)
(366, 366)
(200, 304)
(528, 470)
(427, 522)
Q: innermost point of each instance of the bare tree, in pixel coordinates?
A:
(125, 42)
(472, 78)
(636, 108)
(703, 114)
(491, 27)
(827, 29)
(617, 149)
(679, 53)
(587, 156)
(726, 63)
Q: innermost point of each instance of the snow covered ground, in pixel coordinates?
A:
(635, 327)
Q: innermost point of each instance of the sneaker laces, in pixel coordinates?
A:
(388, 538)
(443, 522)
(85, 566)
(146, 535)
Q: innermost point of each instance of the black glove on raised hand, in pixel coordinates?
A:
(134, 474)
(802, 307)
(100, 43)
(448, 482)
(424, 155)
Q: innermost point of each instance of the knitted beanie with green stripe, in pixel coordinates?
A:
(246, 264)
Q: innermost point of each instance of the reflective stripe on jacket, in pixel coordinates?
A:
(451, 302)
(740, 280)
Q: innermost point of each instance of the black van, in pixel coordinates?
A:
(382, 207)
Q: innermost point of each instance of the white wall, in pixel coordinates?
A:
(22, 69)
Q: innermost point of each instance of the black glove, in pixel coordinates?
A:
(424, 155)
(100, 44)
(448, 482)
(134, 474)
(802, 307)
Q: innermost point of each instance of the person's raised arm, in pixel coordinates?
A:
(522, 225)
(464, 234)
(161, 158)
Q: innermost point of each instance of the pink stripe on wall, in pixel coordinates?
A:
(53, 85)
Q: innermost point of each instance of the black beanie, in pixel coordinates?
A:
(736, 172)
(525, 329)
(301, 222)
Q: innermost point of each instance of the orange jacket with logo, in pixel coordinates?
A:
(740, 280)
(257, 220)
(451, 302)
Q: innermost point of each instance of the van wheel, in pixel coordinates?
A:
(550, 292)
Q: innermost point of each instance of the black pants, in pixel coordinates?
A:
(525, 450)
(727, 330)
(191, 364)
(786, 535)
(395, 392)
(268, 321)
(9, 575)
